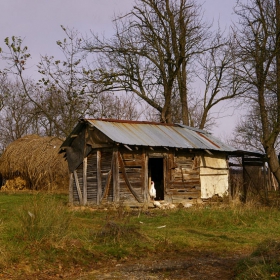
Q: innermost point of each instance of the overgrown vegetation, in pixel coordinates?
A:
(40, 233)
(42, 218)
(263, 263)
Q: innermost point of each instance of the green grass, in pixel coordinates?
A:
(41, 232)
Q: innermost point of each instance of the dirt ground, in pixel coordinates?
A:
(193, 266)
(197, 266)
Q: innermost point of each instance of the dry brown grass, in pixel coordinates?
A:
(35, 160)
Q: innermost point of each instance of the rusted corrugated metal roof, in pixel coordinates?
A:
(158, 135)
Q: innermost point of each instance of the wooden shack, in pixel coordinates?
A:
(113, 161)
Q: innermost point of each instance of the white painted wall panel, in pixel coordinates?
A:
(214, 175)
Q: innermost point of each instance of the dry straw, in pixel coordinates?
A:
(37, 161)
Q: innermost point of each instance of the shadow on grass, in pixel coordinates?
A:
(223, 236)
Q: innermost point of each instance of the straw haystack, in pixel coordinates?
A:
(36, 162)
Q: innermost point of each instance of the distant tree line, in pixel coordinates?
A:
(163, 63)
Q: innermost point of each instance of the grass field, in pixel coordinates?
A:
(41, 233)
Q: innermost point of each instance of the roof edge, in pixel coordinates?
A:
(128, 121)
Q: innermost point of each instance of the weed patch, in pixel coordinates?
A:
(262, 264)
(42, 217)
(119, 226)
(118, 232)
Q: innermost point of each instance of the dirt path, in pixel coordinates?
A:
(198, 267)
(194, 266)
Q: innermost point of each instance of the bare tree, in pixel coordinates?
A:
(150, 51)
(61, 96)
(156, 49)
(3, 88)
(18, 116)
(216, 72)
(110, 106)
(258, 49)
(248, 131)
(17, 57)
(67, 95)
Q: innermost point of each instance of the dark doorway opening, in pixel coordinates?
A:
(156, 175)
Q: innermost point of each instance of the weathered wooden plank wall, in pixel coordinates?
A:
(131, 178)
(97, 165)
(92, 178)
(122, 175)
(107, 181)
(183, 180)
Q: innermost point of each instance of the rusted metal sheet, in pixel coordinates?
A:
(158, 135)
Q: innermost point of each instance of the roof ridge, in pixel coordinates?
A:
(130, 121)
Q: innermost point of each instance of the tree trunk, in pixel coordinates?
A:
(273, 162)
(277, 6)
(166, 116)
(203, 119)
(273, 159)
(182, 82)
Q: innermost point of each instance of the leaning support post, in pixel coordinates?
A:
(78, 186)
(122, 168)
(71, 181)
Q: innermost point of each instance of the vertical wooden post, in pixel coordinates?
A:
(145, 176)
(269, 183)
(71, 181)
(245, 181)
(230, 193)
(116, 186)
(165, 172)
(85, 181)
(99, 177)
(265, 181)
